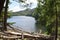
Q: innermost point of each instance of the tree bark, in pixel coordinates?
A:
(56, 31)
(1, 5)
(5, 16)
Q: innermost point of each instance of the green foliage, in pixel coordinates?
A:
(2, 16)
(11, 23)
(45, 14)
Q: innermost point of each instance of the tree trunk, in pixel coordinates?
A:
(56, 31)
(1, 5)
(5, 16)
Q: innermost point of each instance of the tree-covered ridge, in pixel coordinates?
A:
(27, 12)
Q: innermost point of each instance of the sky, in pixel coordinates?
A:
(15, 6)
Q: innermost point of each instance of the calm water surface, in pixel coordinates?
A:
(25, 22)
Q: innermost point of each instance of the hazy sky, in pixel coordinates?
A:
(15, 6)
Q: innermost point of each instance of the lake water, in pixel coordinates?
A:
(26, 23)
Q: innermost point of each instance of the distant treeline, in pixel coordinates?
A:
(27, 12)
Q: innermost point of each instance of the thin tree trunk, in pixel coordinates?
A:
(56, 35)
(5, 16)
(1, 5)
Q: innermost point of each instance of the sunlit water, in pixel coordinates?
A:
(25, 22)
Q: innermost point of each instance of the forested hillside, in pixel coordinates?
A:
(27, 12)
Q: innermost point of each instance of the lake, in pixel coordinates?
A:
(26, 23)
